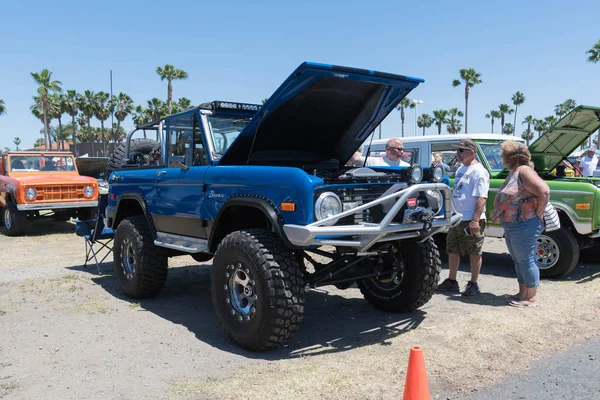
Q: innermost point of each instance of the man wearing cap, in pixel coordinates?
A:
(469, 194)
(589, 162)
(393, 156)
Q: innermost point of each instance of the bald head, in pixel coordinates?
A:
(394, 149)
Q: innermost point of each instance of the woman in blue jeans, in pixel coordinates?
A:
(519, 206)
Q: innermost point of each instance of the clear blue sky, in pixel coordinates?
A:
(243, 50)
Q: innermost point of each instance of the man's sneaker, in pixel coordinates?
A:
(449, 286)
(472, 289)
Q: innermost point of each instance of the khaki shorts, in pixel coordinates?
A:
(457, 241)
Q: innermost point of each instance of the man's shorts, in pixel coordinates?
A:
(457, 241)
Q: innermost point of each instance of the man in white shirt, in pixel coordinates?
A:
(469, 195)
(393, 156)
(589, 162)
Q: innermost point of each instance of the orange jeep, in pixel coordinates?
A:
(33, 181)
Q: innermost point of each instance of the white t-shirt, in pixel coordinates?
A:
(376, 161)
(470, 182)
(588, 165)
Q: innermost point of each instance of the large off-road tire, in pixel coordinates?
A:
(557, 253)
(140, 266)
(418, 266)
(257, 289)
(14, 222)
(118, 157)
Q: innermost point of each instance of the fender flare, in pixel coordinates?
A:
(12, 200)
(138, 198)
(261, 203)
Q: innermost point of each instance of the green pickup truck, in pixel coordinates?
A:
(577, 199)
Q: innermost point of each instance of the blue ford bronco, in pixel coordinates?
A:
(264, 192)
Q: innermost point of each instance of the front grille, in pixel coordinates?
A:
(59, 192)
(354, 197)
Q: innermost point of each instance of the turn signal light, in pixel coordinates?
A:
(582, 206)
(288, 207)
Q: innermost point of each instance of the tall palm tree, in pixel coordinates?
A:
(594, 53)
(17, 142)
(528, 134)
(2, 107)
(470, 77)
(404, 104)
(123, 108)
(504, 109)
(57, 109)
(517, 99)
(158, 108)
(494, 114)
(440, 117)
(540, 126)
(170, 73)
(550, 120)
(454, 126)
(71, 103)
(102, 112)
(87, 106)
(45, 88)
(569, 105)
(424, 121)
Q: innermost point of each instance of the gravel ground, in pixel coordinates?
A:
(69, 333)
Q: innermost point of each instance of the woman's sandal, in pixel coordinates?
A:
(522, 303)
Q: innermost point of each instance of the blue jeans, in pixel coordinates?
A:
(521, 240)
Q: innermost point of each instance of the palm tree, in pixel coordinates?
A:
(528, 134)
(470, 77)
(563, 108)
(158, 109)
(594, 53)
(71, 103)
(569, 105)
(17, 142)
(424, 121)
(46, 87)
(440, 117)
(504, 109)
(87, 106)
(139, 115)
(517, 99)
(550, 121)
(539, 125)
(508, 129)
(123, 108)
(494, 114)
(454, 126)
(404, 103)
(170, 73)
(102, 112)
(57, 108)
(184, 103)
(2, 107)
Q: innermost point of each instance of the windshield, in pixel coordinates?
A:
(493, 155)
(224, 130)
(35, 163)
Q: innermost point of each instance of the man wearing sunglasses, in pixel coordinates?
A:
(469, 194)
(394, 148)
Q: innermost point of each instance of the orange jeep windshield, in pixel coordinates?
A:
(34, 163)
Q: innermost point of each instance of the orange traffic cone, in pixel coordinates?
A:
(416, 386)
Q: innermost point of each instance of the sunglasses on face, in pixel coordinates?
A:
(461, 150)
(398, 149)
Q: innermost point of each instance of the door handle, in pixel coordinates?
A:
(160, 173)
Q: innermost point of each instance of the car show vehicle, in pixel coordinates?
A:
(577, 199)
(32, 182)
(263, 192)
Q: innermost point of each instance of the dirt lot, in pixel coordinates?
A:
(68, 333)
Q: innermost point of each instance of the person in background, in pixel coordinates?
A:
(589, 162)
(439, 160)
(469, 194)
(393, 156)
(519, 206)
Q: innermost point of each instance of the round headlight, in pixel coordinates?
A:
(327, 205)
(88, 191)
(438, 174)
(416, 174)
(30, 193)
(439, 199)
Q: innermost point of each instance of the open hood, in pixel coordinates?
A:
(321, 112)
(563, 138)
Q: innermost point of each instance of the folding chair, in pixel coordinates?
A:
(97, 236)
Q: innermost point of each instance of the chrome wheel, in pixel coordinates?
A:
(547, 252)
(241, 290)
(128, 262)
(7, 222)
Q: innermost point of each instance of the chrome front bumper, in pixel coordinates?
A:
(368, 234)
(54, 206)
